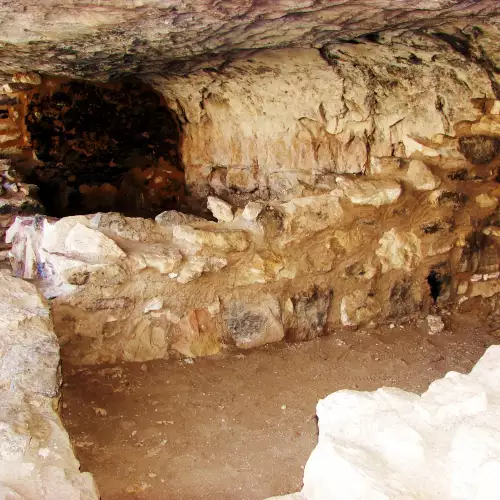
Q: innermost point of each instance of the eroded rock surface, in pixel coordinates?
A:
(36, 457)
(103, 40)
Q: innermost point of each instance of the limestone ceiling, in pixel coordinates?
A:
(111, 38)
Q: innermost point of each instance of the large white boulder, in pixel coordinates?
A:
(392, 445)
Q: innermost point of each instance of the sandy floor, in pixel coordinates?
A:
(241, 426)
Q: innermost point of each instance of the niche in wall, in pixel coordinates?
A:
(108, 147)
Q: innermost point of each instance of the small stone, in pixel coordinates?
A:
(421, 177)
(486, 201)
(220, 209)
(44, 452)
(30, 78)
(283, 407)
(188, 361)
(435, 323)
(251, 211)
(144, 368)
(366, 192)
(100, 411)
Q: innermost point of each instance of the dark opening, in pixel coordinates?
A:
(435, 281)
(104, 148)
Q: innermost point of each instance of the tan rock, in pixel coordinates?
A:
(31, 78)
(226, 241)
(388, 165)
(9, 136)
(485, 200)
(358, 308)
(484, 288)
(421, 177)
(370, 192)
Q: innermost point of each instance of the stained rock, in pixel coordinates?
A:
(251, 325)
(308, 315)
(479, 149)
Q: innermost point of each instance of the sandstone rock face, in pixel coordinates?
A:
(285, 123)
(36, 458)
(392, 444)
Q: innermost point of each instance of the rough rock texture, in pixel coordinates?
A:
(137, 289)
(392, 444)
(36, 458)
(107, 39)
(350, 188)
(285, 123)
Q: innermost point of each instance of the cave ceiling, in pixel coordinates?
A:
(106, 40)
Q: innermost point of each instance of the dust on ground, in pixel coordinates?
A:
(241, 426)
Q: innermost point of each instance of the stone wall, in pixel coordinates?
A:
(36, 457)
(351, 187)
(283, 124)
(413, 232)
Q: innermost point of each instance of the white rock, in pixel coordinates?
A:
(391, 444)
(399, 250)
(370, 192)
(251, 211)
(435, 323)
(421, 177)
(220, 209)
(92, 246)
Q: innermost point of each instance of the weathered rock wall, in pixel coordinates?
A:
(352, 187)
(36, 458)
(412, 230)
(102, 40)
(283, 123)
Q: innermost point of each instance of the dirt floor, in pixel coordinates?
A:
(241, 426)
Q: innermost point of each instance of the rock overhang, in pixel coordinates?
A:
(107, 40)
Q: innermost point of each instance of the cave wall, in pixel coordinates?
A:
(283, 123)
(391, 212)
